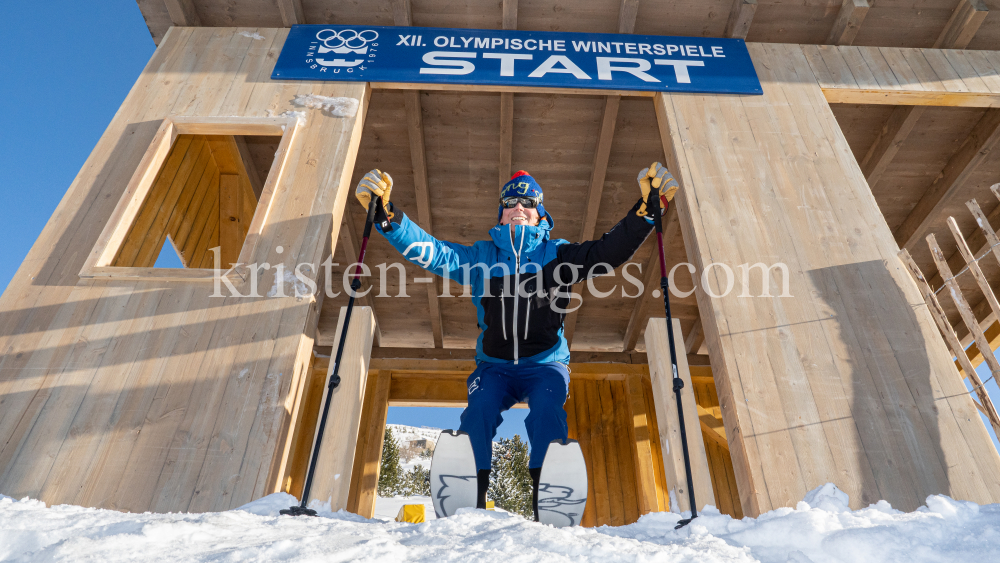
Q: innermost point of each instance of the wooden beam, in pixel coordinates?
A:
(461, 354)
(844, 75)
(506, 138)
(256, 182)
(429, 392)
(506, 107)
(740, 18)
(418, 156)
(703, 360)
(598, 174)
(402, 15)
(974, 151)
(596, 189)
(692, 343)
(291, 12)
(509, 14)
(712, 427)
(894, 131)
(963, 25)
(889, 97)
(402, 12)
(183, 13)
(626, 16)
(845, 28)
(650, 281)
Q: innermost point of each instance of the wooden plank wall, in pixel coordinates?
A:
(848, 382)
(139, 395)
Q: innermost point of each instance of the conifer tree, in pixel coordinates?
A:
(510, 481)
(417, 481)
(390, 473)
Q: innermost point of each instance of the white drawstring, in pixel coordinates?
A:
(527, 315)
(503, 315)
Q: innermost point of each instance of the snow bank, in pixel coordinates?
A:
(819, 530)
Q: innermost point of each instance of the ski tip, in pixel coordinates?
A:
(454, 432)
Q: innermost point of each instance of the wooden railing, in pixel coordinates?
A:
(984, 404)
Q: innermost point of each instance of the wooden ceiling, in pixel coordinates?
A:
(448, 151)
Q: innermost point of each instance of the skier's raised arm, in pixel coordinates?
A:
(619, 244)
(415, 244)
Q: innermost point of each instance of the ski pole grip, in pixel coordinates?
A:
(372, 207)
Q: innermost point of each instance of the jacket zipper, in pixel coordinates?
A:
(517, 285)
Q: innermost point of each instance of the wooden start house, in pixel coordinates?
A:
(867, 168)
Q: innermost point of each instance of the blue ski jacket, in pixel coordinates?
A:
(519, 283)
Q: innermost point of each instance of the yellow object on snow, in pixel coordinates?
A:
(490, 505)
(412, 513)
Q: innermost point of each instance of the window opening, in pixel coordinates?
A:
(204, 196)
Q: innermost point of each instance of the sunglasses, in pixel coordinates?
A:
(526, 202)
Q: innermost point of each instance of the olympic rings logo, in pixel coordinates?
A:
(346, 39)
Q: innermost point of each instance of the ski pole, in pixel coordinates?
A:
(300, 509)
(678, 382)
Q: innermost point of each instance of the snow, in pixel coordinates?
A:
(338, 107)
(251, 35)
(820, 529)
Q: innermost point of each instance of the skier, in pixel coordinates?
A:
(520, 282)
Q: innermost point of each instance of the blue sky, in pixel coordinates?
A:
(63, 77)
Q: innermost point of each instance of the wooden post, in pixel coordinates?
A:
(368, 455)
(843, 379)
(335, 462)
(661, 374)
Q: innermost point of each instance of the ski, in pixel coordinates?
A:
(453, 474)
(562, 486)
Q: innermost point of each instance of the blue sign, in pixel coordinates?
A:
(517, 58)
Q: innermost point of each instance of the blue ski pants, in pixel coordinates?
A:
(496, 387)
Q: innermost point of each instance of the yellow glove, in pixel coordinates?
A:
(656, 176)
(374, 184)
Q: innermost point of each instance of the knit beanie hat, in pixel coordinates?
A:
(521, 184)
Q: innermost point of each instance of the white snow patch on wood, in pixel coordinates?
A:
(338, 107)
